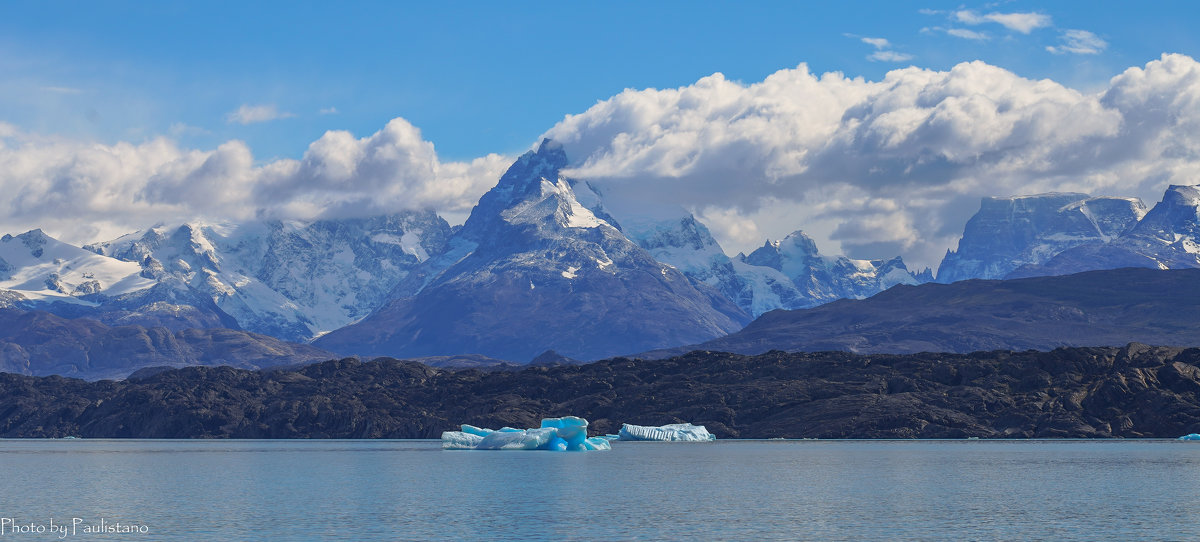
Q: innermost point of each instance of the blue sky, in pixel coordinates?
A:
(117, 115)
(480, 77)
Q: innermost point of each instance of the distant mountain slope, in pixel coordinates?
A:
(1011, 232)
(533, 269)
(40, 343)
(1168, 237)
(1097, 308)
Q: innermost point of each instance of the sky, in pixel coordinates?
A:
(873, 126)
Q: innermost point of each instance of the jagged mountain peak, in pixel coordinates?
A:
(524, 177)
(532, 193)
(788, 255)
(534, 269)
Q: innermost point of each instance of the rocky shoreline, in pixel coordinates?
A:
(1132, 391)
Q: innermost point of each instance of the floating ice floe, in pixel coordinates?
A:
(670, 432)
(1190, 436)
(566, 434)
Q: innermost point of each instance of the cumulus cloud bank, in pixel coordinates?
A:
(85, 191)
(869, 168)
(888, 167)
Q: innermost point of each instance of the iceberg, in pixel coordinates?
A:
(1190, 436)
(664, 433)
(566, 434)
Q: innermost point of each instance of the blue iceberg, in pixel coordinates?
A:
(566, 434)
(666, 433)
(1190, 436)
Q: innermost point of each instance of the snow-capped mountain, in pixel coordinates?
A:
(41, 268)
(1026, 231)
(43, 273)
(292, 280)
(541, 264)
(819, 279)
(687, 245)
(1167, 237)
(534, 269)
(785, 274)
(1170, 232)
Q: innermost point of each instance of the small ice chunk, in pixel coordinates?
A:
(670, 432)
(1190, 436)
(458, 440)
(597, 443)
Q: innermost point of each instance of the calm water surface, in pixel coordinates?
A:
(731, 490)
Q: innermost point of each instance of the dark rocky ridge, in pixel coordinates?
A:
(1101, 308)
(1134, 391)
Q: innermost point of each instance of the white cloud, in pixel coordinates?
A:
(878, 43)
(253, 114)
(328, 111)
(1018, 22)
(85, 191)
(966, 34)
(1080, 42)
(889, 56)
(878, 168)
(882, 49)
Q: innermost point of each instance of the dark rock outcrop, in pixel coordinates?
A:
(1132, 391)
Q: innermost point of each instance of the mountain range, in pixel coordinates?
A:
(541, 263)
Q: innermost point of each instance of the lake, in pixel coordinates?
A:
(725, 490)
